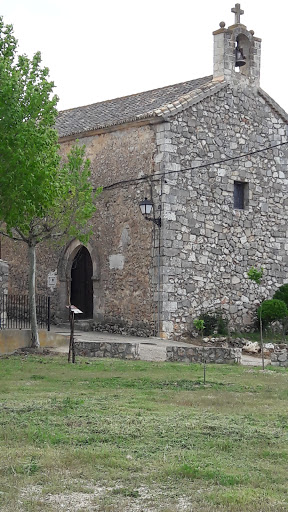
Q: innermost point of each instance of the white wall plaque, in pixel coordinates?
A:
(52, 280)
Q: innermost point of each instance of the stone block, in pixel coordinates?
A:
(282, 356)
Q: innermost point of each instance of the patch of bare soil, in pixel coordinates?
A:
(97, 498)
(25, 351)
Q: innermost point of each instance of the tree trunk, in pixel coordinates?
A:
(32, 296)
(261, 338)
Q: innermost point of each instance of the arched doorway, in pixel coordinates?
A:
(81, 282)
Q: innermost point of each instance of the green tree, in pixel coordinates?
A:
(40, 198)
(272, 310)
(282, 293)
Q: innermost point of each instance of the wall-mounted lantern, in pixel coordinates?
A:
(146, 208)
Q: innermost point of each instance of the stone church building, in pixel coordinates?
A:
(210, 155)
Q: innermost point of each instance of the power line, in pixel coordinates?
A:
(159, 175)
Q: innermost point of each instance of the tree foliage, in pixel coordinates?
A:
(29, 155)
(41, 198)
(272, 310)
(282, 293)
(71, 208)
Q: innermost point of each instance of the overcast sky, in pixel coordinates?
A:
(103, 49)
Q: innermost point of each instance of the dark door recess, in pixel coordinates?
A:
(81, 283)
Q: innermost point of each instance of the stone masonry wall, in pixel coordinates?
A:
(279, 357)
(122, 239)
(121, 245)
(4, 276)
(208, 245)
(217, 355)
(104, 349)
(46, 262)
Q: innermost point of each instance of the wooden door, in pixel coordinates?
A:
(81, 283)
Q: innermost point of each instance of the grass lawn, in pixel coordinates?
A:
(110, 435)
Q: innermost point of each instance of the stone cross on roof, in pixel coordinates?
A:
(237, 12)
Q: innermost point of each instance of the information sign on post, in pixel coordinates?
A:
(73, 310)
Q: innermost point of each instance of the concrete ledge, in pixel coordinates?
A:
(107, 349)
(216, 355)
(12, 339)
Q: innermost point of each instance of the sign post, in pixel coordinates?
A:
(72, 311)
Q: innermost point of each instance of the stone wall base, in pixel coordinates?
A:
(216, 355)
(280, 356)
(107, 349)
(140, 329)
(136, 329)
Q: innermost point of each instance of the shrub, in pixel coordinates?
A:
(199, 324)
(282, 293)
(210, 322)
(255, 275)
(214, 322)
(272, 310)
(222, 325)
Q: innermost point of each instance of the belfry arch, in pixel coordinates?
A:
(243, 42)
(78, 271)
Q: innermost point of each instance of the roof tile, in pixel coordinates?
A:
(126, 109)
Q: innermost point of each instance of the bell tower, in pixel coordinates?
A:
(237, 52)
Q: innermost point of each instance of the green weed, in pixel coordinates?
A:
(117, 431)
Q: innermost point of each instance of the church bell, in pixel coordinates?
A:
(240, 59)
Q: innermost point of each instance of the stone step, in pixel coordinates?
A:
(80, 325)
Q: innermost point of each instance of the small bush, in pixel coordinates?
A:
(255, 275)
(282, 294)
(214, 323)
(222, 325)
(272, 310)
(210, 322)
(199, 324)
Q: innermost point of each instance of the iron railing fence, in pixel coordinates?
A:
(15, 311)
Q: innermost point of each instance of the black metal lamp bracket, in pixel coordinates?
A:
(155, 221)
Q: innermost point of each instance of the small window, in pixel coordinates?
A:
(240, 195)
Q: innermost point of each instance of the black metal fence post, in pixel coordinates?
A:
(15, 311)
(48, 313)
